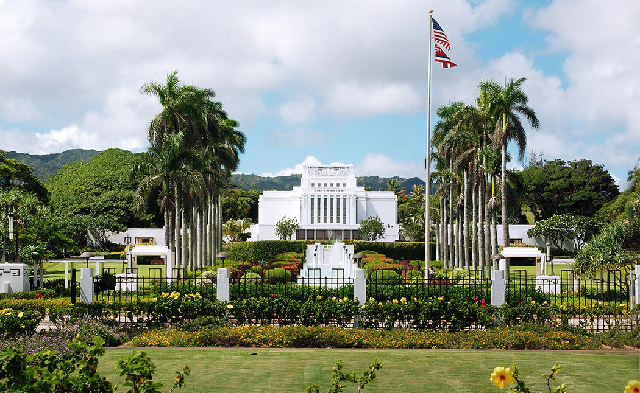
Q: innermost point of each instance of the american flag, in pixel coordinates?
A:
(442, 58)
(439, 36)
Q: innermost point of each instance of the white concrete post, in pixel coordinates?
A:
(360, 286)
(498, 287)
(86, 285)
(636, 285)
(222, 286)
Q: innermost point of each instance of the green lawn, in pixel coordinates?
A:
(56, 270)
(292, 370)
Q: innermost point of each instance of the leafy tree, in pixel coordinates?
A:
(235, 229)
(47, 165)
(606, 251)
(238, 203)
(286, 227)
(97, 196)
(573, 187)
(36, 229)
(411, 213)
(561, 228)
(15, 174)
(372, 228)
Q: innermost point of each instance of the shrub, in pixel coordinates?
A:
(385, 276)
(414, 276)
(277, 275)
(264, 249)
(15, 322)
(251, 277)
(395, 250)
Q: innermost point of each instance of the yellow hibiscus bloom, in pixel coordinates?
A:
(502, 377)
(633, 386)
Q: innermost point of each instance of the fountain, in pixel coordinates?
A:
(328, 264)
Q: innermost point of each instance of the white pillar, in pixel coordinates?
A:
(360, 286)
(498, 287)
(222, 285)
(86, 285)
(66, 274)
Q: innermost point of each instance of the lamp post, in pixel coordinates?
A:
(549, 260)
(222, 255)
(358, 257)
(13, 227)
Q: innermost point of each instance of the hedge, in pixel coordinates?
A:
(265, 250)
(396, 250)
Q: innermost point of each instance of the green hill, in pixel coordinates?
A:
(286, 183)
(47, 165)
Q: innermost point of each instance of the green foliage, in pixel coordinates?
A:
(372, 228)
(235, 229)
(386, 276)
(138, 371)
(238, 203)
(411, 214)
(47, 165)
(396, 250)
(339, 376)
(46, 371)
(560, 228)
(573, 187)
(277, 275)
(13, 322)
(36, 227)
(16, 175)
(605, 251)
(264, 250)
(286, 227)
(97, 196)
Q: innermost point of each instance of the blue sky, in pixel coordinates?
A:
(320, 81)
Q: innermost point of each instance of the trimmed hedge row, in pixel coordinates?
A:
(265, 250)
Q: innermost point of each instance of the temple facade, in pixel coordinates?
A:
(328, 205)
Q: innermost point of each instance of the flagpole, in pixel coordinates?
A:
(427, 188)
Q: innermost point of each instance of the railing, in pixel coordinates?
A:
(595, 304)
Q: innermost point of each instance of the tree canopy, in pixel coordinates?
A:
(15, 174)
(573, 187)
(97, 196)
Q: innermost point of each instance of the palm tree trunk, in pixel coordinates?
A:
(505, 219)
(487, 224)
(474, 226)
(465, 214)
(183, 240)
(494, 238)
(219, 221)
(193, 237)
(445, 244)
(481, 261)
(459, 261)
(438, 239)
(450, 228)
(177, 255)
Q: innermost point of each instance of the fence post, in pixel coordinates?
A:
(360, 286)
(636, 285)
(222, 285)
(86, 285)
(498, 287)
(74, 294)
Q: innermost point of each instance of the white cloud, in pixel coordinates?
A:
(354, 99)
(381, 165)
(297, 169)
(298, 111)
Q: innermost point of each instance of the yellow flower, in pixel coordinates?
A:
(395, 301)
(502, 377)
(403, 300)
(319, 297)
(441, 298)
(633, 386)
(229, 305)
(20, 314)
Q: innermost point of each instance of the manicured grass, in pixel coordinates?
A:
(292, 370)
(56, 270)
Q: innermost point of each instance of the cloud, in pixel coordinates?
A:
(297, 169)
(354, 99)
(298, 111)
(381, 165)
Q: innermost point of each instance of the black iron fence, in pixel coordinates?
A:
(596, 304)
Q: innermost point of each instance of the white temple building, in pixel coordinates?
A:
(328, 205)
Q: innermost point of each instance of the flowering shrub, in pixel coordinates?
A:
(15, 322)
(336, 337)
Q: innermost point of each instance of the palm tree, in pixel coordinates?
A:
(506, 105)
